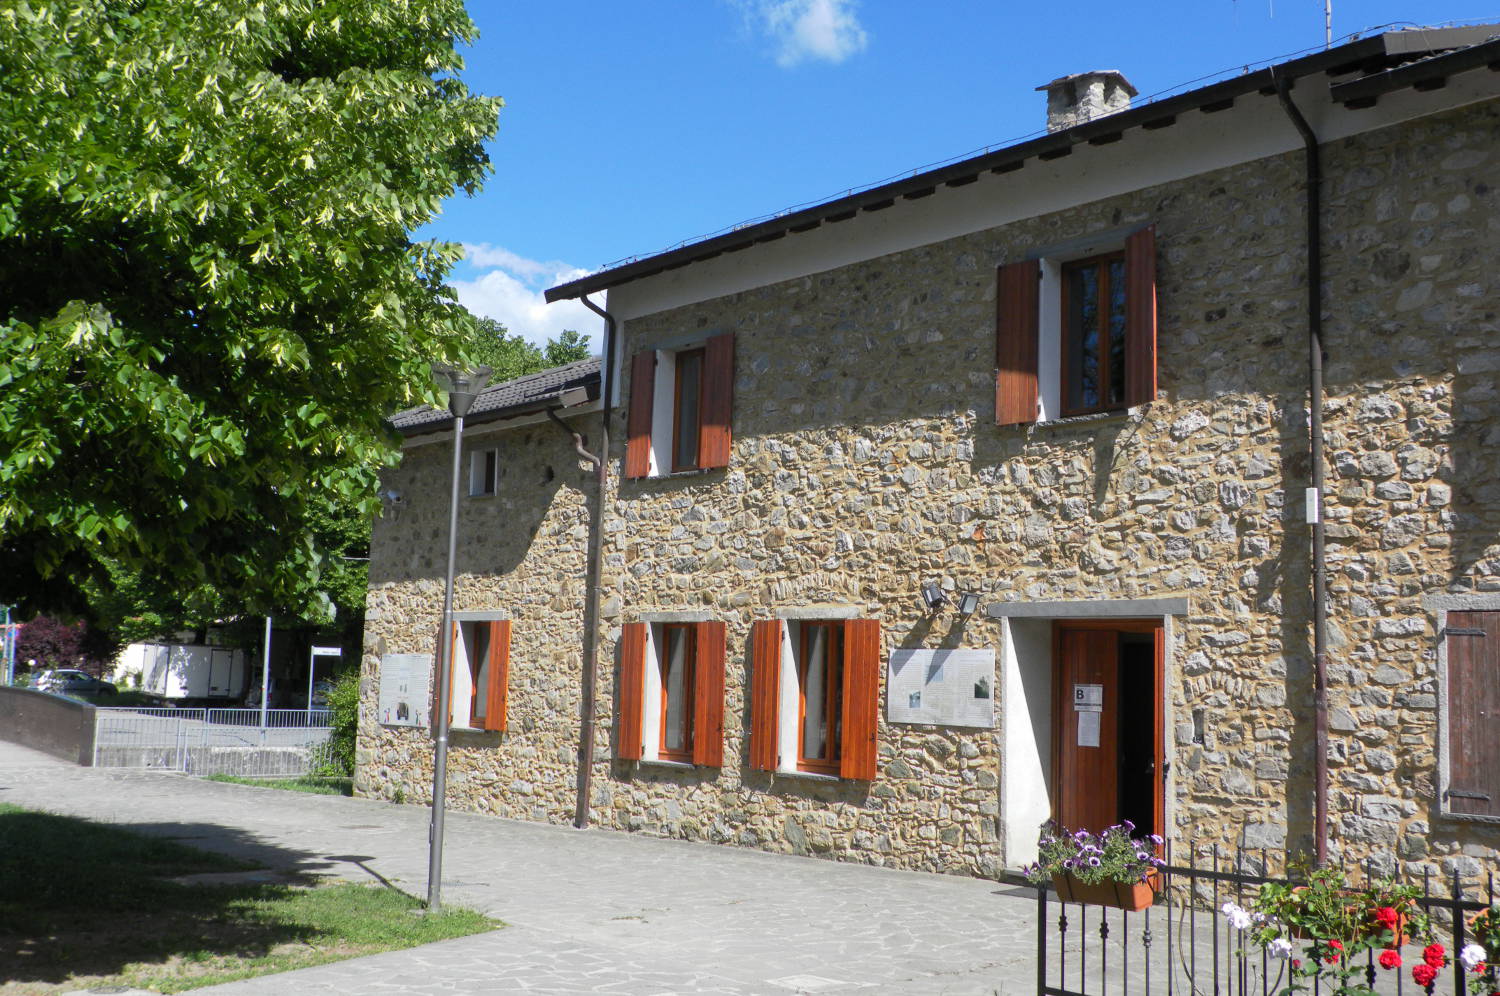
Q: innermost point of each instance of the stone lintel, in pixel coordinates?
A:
(675, 617)
(1096, 608)
(481, 615)
(815, 612)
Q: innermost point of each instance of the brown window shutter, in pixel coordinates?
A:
(765, 693)
(631, 692)
(638, 423)
(1140, 317)
(1473, 645)
(717, 405)
(497, 696)
(861, 698)
(1017, 311)
(708, 694)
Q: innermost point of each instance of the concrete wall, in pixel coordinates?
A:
(60, 726)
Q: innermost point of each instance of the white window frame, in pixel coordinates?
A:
(484, 472)
(462, 684)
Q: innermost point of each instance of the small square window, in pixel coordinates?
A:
(484, 472)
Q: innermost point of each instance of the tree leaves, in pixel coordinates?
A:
(209, 297)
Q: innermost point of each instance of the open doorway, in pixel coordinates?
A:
(1107, 724)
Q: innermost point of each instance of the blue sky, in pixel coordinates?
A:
(632, 126)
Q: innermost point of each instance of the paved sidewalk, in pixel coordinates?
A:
(588, 911)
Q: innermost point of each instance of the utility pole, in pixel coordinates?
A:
(1328, 23)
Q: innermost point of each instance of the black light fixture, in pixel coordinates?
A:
(932, 596)
(968, 601)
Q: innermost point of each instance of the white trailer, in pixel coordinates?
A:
(188, 671)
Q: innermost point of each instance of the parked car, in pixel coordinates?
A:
(67, 681)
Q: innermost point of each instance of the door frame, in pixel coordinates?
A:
(1155, 625)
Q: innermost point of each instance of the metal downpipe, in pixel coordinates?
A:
(589, 690)
(1315, 433)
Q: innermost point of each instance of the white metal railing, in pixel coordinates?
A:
(211, 741)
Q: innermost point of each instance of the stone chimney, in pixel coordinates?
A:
(1072, 100)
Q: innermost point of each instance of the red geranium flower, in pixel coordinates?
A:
(1386, 916)
(1336, 944)
(1423, 974)
(1435, 955)
(1390, 958)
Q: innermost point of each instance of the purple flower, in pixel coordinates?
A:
(1156, 839)
(1129, 825)
(1068, 862)
(1095, 862)
(1142, 856)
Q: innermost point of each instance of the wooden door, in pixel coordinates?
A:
(1087, 729)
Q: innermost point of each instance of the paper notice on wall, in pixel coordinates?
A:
(941, 687)
(1088, 729)
(405, 690)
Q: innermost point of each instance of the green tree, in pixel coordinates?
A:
(209, 299)
(509, 356)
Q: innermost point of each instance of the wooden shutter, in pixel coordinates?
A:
(638, 424)
(765, 693)
(861, 698)
(1473, 645)
(630, 695)
(497, 696)
(1140, 317)
(708, 694)
(717, 401)
(1017, 321)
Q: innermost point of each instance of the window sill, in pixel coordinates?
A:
(656, 762)
(1469, 817)
(812, 776)
(1111, 416)
(483, 494)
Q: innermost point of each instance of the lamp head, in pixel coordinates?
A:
(463, 386)
(932, 596)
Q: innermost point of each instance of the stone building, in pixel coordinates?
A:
(1070, 380)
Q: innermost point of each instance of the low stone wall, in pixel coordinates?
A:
(59, 726)
(247, 762)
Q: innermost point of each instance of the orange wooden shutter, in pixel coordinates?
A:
(1473, 642)
(861, 698)
(1140, 317)
(497, 696)
(1017, 304)
(631, 691)
(717, 404)
(638, 424)
(708, 694)
(765, 693)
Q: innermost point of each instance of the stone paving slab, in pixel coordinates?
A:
(588, 911)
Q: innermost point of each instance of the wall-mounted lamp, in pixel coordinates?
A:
(933, 597)
(392, 502)
(968, 601)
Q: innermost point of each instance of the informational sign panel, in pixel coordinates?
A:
(942, 687)
(1088, 702)
(405, 690)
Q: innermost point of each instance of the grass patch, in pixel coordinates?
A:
(316, 784)
(87, 905)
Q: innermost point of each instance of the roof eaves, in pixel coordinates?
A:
(1364, 53)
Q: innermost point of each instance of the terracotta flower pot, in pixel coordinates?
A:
(1132, 896)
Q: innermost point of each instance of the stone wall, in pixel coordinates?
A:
(522, 552)
(866, 460)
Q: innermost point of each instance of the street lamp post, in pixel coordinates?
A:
(462, 387)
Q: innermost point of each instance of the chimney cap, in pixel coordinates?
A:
(1118, 77)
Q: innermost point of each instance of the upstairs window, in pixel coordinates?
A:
(670, 697)
(1076, 336)
(484, 472)
(815, 696)
(480, 677)
(680, 407)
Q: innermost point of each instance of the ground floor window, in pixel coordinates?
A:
(670, 695)
(480, 676)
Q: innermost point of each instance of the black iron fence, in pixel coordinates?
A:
(1184, 944)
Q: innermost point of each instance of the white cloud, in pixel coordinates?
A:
(809, 29)
(509, 290)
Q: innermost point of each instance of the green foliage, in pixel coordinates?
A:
(311, 784)
(343, 708)
(509, 356)
(209, 299)
(1336, 925)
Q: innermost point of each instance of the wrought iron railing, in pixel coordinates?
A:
(1184, 945)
